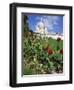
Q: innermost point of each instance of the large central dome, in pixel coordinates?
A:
(41, 25)
(40, 28)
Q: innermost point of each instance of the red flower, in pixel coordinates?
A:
(50, 51)
(58, 39)
(61, 51)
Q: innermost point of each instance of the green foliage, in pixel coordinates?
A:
(38, 61)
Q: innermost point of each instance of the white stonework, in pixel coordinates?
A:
(41, 29)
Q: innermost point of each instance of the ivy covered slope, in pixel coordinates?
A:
(41, 55)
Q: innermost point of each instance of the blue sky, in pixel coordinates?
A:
(53, 23)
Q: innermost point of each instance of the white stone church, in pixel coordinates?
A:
(42, 29)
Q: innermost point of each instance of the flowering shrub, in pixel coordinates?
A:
(42, 55)
(61, 51)
(50, 51)
(58, 39)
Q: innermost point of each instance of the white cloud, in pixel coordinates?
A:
(47, 22)
(50, 21)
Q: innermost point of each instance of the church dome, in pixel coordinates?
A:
(41, 25)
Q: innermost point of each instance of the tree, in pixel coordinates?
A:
(26, 26)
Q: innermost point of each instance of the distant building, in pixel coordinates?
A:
(42, 31)
(40, 28)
